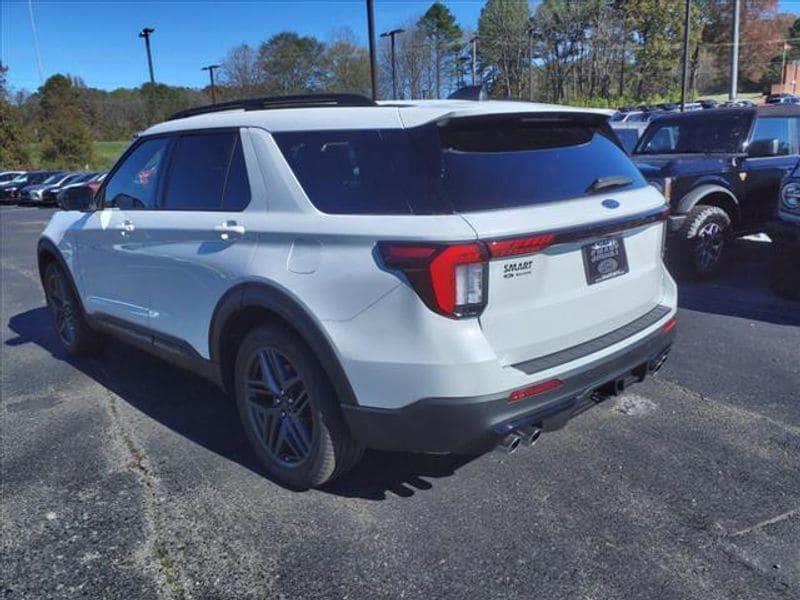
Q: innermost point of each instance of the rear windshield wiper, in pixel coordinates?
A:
(607, 183)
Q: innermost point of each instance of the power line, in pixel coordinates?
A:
(36, 43)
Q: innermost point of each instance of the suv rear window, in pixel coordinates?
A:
(458, 166)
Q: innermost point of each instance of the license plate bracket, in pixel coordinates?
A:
(604, 259)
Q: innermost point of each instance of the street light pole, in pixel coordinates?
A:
(735, 51)
(685, 74)
(145, 33)
(210, 69)
(391, 34)
(371, 30)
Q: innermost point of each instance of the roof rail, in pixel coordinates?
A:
(275, 102)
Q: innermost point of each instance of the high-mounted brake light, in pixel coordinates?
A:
(449, 278)
(521, 245)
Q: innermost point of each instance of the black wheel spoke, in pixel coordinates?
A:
(267, 373)
(298, 433)
(280, 408)
(61, 307)
(299, 404)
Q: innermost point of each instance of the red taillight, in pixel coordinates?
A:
(449, 278)
(669, 325)
(534, 390)
(522, 245)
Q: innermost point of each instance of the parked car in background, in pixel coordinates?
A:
(9, 191)
(433, 277)
(707, 103)
(786, 228)
(93, 183)
(779, 98)
(32, 193)
(633, 117)
(785, 234)
(49, 196)
(721, 171)
(6, 176)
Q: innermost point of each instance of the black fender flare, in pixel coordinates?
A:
(275, 299)
(695, 196)
(47, 247)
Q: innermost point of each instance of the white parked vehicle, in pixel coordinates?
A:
(431, 276)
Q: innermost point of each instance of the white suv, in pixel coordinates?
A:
(419, 276)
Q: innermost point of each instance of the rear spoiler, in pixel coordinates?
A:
(587, 119)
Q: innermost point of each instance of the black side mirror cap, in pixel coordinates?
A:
(768, 147)
(77, 198)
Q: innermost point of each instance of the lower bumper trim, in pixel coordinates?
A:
(443, 425)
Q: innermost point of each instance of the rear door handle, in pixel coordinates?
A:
(228, 229)
(126, 227)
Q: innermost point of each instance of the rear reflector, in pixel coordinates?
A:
(669, 325)
(534, 390)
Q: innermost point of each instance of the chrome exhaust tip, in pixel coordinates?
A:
(509, 444)
(529, 435)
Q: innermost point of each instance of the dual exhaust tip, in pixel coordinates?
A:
(526, 436)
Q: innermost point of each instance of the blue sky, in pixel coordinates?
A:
(98, 40)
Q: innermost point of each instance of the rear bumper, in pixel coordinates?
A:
(467, 423)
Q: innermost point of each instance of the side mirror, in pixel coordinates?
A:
(758, 148)
(77, 198)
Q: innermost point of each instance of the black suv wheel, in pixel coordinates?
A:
(74, 333)
(702, 241)
(289, 410)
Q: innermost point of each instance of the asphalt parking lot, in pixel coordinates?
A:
(123, 477)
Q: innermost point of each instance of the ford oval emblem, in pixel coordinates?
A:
(610, 203)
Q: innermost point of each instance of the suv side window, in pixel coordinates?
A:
(770, 128)
(207, 173)
(133, 185)
(664, 140)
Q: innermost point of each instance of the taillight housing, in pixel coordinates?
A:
(451, 279)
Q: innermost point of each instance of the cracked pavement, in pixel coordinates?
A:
(123, 477)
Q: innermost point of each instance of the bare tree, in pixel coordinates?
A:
(240, 71)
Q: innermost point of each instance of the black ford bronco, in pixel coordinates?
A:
(721, 172)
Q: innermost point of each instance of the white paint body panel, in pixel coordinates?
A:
(173, 270)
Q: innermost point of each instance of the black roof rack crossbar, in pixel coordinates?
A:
(275, 102)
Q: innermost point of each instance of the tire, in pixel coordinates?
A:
(701, 241)
(73, 331)
(289, 410)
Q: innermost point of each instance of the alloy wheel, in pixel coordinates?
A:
(61, 307)
(279, 408)
(708, 247)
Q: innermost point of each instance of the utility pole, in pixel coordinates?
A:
(685, 74)
(210, 69)
(474, 42)
(391, 34)
(371, 30)
(735, 51)
(145, 33)
(530, 62)
(783, 67)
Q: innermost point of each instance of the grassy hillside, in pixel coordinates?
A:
(105, 155)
